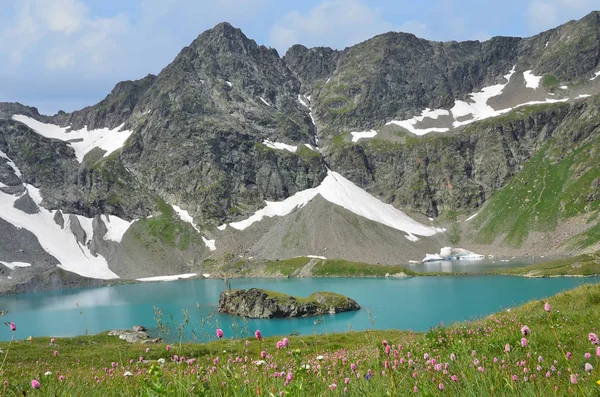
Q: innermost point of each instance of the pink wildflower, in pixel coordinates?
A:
(279, 344)
(598, 351)
(588, 367)
(573, 379)
(147, 350)
(587, 355)
(353, 367)
(507, 348)
(219, 333)
(55, 353)
(258, 335)
(332, 386)
(525, 330)
(286, 342)
(441, 386)
(454, 378)
(452, 357)
(61, 378)
(524, 342)
(347, 380)
(13, 328)
(593, 338)
(569, 355)
(415, 389)
(547, 307)
(51, 341)
(34, 383)
(263, 354)
(168, 347)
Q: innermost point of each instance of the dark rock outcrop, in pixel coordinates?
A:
(258, 303)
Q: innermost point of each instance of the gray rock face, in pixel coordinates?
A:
(112, 111)
(256, 303)
(59, 219)
(77, 230)
(26, 204)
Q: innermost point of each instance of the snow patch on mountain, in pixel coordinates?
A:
(595, 75)
(83, 140)
(427, 113)
(12, 165)
(116, 227)
(280, 146)
(58, 242)
(363, 134)
(340, 191)
(13, 265)
(531, 80)
(302, 101)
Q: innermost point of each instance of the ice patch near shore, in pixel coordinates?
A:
(340, 191)
(447, 253)
(167, 278)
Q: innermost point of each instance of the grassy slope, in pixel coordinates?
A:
(554, 185)
(85, 362)
(582, 265)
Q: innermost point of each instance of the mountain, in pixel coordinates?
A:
(379, 153)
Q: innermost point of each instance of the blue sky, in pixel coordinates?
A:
(67, 54)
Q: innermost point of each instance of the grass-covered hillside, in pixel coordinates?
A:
(581, 265)
(559, 182)
(543, 348)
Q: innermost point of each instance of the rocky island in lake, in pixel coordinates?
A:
(260, 303)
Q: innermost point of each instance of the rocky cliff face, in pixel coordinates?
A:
(257, 303)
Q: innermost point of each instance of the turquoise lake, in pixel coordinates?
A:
(417, 303)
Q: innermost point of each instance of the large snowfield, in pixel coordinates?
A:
(340, 191)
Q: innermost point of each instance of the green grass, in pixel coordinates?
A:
(344, 268)
(548, 188)
(286, 267)
(165, 228)
(581, 265)
(550, 81)
(557, 344)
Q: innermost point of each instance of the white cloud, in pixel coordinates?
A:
(65, 16)
(333, 23)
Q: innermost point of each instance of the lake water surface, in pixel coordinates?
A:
(416, 303)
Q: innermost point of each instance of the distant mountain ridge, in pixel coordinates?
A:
(437, 130)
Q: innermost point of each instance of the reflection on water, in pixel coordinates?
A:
(475, 266)
(416, 303)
